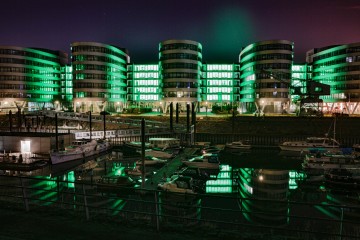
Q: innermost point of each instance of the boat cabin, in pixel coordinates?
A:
(317, 140)
(184, 182)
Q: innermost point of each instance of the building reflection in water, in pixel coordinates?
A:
(179, 208)
(264, 195)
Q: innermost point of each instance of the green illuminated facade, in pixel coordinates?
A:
(265, 74)
(30, 78)
(339, 67)
(66, 89)
(144, 85)
(180, 71)
(99, 77)
(300, 73)
(220, 84)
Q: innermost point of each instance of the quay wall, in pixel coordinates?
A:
(263, 140)
(273, 130)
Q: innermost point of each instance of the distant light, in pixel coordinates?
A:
(261, 177)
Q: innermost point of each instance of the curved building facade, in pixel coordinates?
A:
(339, 67)
(30, 78)
(180, 70)
(265, 75)
(99, 77)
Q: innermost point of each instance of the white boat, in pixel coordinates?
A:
(329, 144)
(159, 153)
(205, 161)
(136, 171)
(326, 143)
(136, 145)
(322, 162)
(343, 177)
(238, 145)
(149, 160)
(165, 143)
(79, 149)
(178, 184)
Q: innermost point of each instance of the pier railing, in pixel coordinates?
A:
(159, 210)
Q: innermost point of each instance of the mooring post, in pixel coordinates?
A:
(19, 120)
(157, 212)
(85, 203)
(26, 201)
(90, 120)
(177, 113)
(187, 123)
(171, 117)
(10, 120)
(193, 118)
(143, 153)
(56, 133)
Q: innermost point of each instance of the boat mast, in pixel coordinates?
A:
(334, 129)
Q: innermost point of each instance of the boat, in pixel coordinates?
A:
(135, 144)
(210, 149)
(149, 160)
(330, 161)
(238, 145)
(329, 144)
(165, 143)
(79, 149)
(136, 171)
(343, 178)
(178, 184)
(205, 161)
(195, 173)
(153, 152)
(119, 184)
(326, 142)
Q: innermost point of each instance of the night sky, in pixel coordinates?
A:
(223, 27)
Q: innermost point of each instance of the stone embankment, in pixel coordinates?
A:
(345, 126)
(347, 129)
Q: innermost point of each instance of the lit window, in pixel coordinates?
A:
(349, 59)
(25, 146)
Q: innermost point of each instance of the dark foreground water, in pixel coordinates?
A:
(263, 186)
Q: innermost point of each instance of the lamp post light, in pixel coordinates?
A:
(56, 105)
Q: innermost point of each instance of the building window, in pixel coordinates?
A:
(25, 146)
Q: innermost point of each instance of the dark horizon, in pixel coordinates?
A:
(223, 28)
